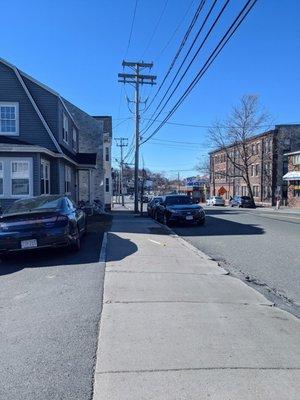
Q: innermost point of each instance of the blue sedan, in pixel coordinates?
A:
(41, 222)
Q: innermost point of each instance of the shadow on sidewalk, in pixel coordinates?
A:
(119, 248)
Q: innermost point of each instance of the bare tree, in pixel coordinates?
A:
(233, 135)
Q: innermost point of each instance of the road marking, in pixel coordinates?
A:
(102, 257)
(154, 241)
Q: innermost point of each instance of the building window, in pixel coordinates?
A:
(67, 179)
(45, 177)
(106, 153)
(252, 170)
(256, 169)
(20, 178)
(296, 159)
(244, 191)
(255, 190)
(257, 148)
(65, 128)
(9, 118)
(253, 149)
(107, 185)
(74, 136)
(296, 188)
(1, 178)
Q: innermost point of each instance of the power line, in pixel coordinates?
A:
(131, 28)
(222, 43)
(192, 60)
(181, 46)
(175, 30)
(155, 28)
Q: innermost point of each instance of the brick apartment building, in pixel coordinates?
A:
(268, 165)
(293, 178)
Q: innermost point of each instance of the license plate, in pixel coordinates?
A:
(189, 217)
(28, 244)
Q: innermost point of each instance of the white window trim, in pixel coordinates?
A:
(29, 179)
(44, 163)
(2, 177)
(74, 135)
(65, 118)
(16, 105)
(67, 167)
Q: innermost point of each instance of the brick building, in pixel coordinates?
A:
(268, 163)
(293, 178)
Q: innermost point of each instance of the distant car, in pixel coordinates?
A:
(179, 209)
(215, 201)
(151, 206)
(242, 201)
(40, 222)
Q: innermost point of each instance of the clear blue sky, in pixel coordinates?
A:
(77, 46)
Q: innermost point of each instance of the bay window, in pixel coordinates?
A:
(9, 115)
(20, 177)
(45, 177)
(67, 180)
(1, 178)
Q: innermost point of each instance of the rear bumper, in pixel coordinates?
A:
(55, 237)
(181, 219)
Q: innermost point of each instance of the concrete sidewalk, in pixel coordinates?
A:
(175, 326)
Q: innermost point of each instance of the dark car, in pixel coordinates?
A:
(242, 201)
(179, 209)
(43, 221)
(151, 206)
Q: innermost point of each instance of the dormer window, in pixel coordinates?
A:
(74, 139)
(9, 118)
(65, 129)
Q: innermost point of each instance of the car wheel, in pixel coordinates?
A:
(202, 222)
(76, 241)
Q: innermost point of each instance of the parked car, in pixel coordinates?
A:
(43, 221)
(180, 209)
(242, 201)
(215, 201)
(151, 206)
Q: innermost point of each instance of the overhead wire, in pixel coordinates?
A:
(131, 28)
(181, 46)
(191, 61)
(222, 43)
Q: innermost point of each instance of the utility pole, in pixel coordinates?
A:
(136, 79)
(121, 142)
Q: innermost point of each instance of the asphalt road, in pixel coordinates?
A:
(261, 247)
(50, 305)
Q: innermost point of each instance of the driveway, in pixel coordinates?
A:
(50, 305)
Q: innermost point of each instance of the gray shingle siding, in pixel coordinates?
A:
(31, 129)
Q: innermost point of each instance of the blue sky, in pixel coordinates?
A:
(77, 47)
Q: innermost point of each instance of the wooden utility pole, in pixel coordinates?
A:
(121, 142)
(136, 79)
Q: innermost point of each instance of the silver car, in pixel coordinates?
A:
(215, 201)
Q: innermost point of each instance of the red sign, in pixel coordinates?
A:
(222, 191)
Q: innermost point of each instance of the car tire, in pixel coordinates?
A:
(201, 223)
(76, 244)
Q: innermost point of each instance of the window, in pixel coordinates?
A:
(296, 188)
(65, 128)
(20, 176)
(67, 180)
(106, 153)
(257, 169)
(1, 178)
(244, 191)
(9, 118)
(74, 136)
(252, 170)
(257, 148)
(107, 185)
(253, 149)
(255, 190)
(296, 159)
(45, 177)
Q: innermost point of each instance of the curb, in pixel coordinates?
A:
(102, 256)
(190, 246)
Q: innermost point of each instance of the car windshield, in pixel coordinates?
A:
(218, 198)
(35, 204)
(174, 200)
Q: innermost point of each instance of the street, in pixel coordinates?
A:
(260, 247)
(50, 309)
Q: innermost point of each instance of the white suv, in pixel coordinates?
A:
(215, 201)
